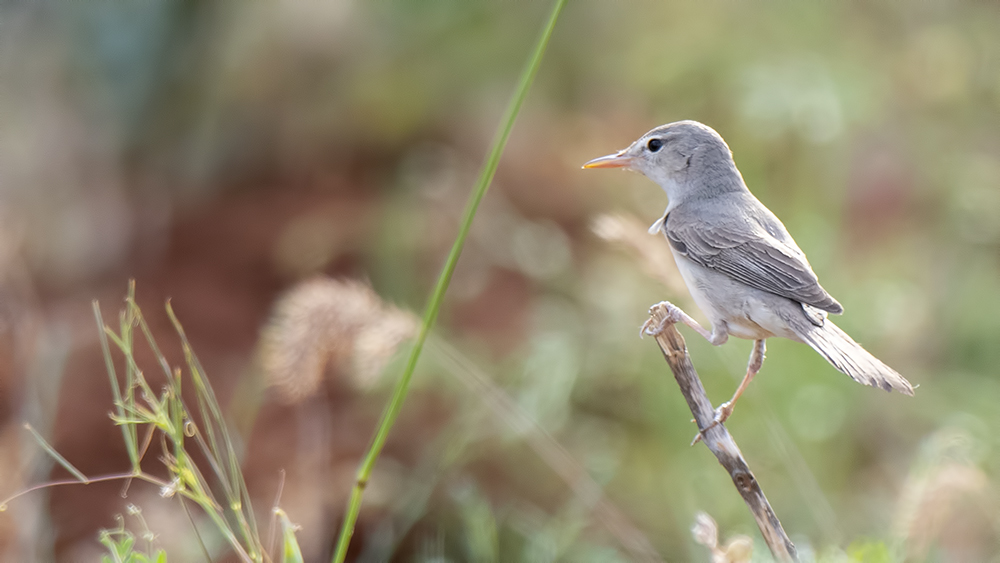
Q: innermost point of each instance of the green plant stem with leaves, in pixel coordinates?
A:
(434, 305)
(165, 413)
(137, 404)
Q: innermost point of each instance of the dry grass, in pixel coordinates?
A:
(324, 326)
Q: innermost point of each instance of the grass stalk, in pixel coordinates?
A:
(56, 455)
(130, 445)
(166, 415)
(434, 305)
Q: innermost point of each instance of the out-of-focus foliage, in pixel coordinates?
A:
(122, 548)
(222, 153)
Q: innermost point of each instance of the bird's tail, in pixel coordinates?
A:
(849, 357)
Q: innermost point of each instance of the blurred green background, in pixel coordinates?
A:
(222, 153)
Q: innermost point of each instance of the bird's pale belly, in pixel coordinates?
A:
(747, 312)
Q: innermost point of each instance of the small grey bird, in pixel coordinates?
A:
(740, 264)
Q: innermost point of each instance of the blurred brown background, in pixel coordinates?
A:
(224, 153)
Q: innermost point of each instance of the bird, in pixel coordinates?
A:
(742, 268)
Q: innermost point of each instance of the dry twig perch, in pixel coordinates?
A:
(717, 438)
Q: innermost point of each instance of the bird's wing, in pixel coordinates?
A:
(750, 246)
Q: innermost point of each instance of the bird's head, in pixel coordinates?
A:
(674, 154)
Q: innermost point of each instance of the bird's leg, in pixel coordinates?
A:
(673, 315)
(725, 410)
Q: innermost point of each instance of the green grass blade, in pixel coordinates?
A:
(222, 447)
(130, 445)
(55, 455)
(135, 313)
(130, 370)
(434, 305)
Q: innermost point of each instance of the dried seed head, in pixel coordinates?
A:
(705, 530)
(739, 549)
(948, 502)
(324, 325)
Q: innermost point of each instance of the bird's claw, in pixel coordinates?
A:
(672, 314)
(722, 414)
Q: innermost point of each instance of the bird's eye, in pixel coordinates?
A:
(654, 145)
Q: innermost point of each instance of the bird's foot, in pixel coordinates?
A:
(672, 314)
(722, 414)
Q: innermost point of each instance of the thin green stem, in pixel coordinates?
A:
(55, 455)
(130, 445)
(434, 306)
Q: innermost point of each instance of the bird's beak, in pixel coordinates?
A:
(617, 160)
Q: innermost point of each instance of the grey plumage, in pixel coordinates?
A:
(745, 241)
(849, 357)
(742, 267)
